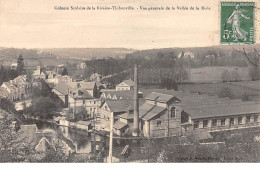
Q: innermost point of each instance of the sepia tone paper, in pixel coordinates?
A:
(120, 81)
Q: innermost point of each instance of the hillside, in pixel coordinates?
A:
(89, 53)
(224, 50)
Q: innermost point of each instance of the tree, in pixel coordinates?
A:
(20, 65)
(225, 92)
(235, 76)
(11, 146)
(42, 106)
(169, 84)
(226, 77)
(9, 107)
(64, 72)
(246, 97)
(254, 73)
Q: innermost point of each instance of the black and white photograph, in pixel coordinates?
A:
(129, 81)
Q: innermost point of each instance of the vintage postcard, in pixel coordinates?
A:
(129, 81)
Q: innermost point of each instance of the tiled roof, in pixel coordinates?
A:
(206, 106)
(83, 85)
(128, 82)
(146, 107)
(221, 111)
(160, 97)
(63, 88)
(82, 95)
(122, 105)
(127, 115)
(10, 86)
(20, 80)
(125, 94)
(156, 110)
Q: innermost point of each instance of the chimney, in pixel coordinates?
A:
(136, 104)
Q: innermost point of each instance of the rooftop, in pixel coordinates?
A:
(82, 84)
(160, 97)
(128, 82)
(122, 105)
(63, 88)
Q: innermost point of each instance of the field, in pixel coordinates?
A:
(213, 74)
(252, 84)
(214, 89)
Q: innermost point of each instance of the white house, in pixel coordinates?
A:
(125, 85)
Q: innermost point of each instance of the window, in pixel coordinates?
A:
(239, 120)
(106, 107)
(214, 122)
(159, 123)
(107, 118)
(196, 124)
(205, 123)
(173, 112)
(83, 101)
(232, 121)
(248, 119)
(223, 122)
(94, 102)
(256, 118)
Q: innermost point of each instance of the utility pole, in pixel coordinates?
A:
(94, 133)
(110, 155)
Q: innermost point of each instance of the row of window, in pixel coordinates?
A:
(223, 121)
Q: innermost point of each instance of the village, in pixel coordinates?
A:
(120, 122)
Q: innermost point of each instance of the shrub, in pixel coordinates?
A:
(225, 92)
(226, 76)
(254, 73)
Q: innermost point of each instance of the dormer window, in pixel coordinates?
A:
(173, 112)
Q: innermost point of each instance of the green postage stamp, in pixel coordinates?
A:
(237, 22)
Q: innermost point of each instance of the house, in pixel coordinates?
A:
(39, 73)
(4, 93)
(62, 90)
(58, 78)
(125, 85)
(14, 66)
(12, 90)
(115, 107)
(174, 113)
(89, 87)
(95, 77)
(83, 99)
(161, 115)
(200, 113)
(40, 141)
(82, 65)
(24, 86)
(84, 125)
(17, 88)
(50, 74)
(122, 111)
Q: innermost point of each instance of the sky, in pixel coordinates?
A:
(35, 24)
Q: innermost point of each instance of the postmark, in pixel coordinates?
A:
(237, 22)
